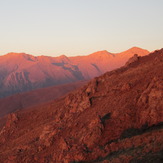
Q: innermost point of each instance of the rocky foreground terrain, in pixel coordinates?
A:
(115, 118)
(20, 72)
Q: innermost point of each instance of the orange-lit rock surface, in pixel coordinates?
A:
(115, 118)
(20, 72)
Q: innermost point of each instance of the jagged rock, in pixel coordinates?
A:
(11, 119)
(126, 87)
(63, 144)
(94, 133)
(47, 135)
(92, 87)
(78, 103)
(151, 99)
(132, 59)
(81, 101)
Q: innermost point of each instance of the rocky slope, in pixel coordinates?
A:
(20, 72)
(115, 118)
(36, 97)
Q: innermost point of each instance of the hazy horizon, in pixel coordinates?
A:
(76, 54)
(70, 27)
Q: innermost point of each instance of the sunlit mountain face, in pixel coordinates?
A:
(20, 72)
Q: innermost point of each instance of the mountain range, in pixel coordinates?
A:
(115, 118)
(20, 72)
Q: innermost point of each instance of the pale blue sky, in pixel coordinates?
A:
(79, 27)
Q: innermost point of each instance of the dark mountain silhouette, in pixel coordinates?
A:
(116, 117)
(20, 72)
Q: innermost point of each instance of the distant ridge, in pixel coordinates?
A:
(20, 72)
